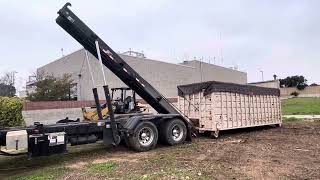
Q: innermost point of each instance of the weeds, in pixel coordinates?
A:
(291, 119)
(100, 167)
(43, 174)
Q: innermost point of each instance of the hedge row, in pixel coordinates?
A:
(11, 112)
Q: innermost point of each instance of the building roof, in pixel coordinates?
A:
(192, 62)
(187, 64)
(259, 82)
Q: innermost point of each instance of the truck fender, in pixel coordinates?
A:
(132, 122)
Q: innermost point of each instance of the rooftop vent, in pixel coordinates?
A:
(134, 53)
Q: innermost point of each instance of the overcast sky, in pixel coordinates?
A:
(277, 37)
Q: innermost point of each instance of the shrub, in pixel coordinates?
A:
(302, 86)
(11, 112)
(291, 119)
(295, 94)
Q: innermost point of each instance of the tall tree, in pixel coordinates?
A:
(7, 85)
(7, 90)
(50, 88)
(297, 81)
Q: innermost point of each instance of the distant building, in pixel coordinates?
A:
(22, 93)
(30, 85)
(29, 88)
(268, 84)
(162, 75)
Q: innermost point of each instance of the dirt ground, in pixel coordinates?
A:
(289, 152)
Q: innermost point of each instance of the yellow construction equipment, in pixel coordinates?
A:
(124, 103)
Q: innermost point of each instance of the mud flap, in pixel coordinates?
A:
(108, 135)
(189, 133)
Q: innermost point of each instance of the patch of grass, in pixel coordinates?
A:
(100, 167)
(74, 152)
(172, 173)
(20, 166)
(127, 175)
(185, 148)
(43, 174)
(170, 157)
(291, 119)
(160, 158)
(153, 175)
(188, 146)
(301, 106)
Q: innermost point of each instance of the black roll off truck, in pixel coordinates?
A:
(139, 131)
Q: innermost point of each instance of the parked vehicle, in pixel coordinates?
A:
(123, 101)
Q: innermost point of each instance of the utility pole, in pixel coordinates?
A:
(12, 78)
(262, 75)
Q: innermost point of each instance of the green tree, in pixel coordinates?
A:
(7, 90)
(7, 85)
(300, 82)
(50, 88)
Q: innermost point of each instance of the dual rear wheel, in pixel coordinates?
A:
(146, 135)
(173, 132)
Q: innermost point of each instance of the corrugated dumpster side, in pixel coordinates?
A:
(216, 106)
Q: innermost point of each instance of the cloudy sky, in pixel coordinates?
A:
(277, 37)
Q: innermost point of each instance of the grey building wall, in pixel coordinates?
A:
(209, 72)
(50, 116)
(267, 84)
(163, 76)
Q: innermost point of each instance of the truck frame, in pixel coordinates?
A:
(139, 131)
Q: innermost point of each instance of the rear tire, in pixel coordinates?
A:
(144, 138)
(174, 132)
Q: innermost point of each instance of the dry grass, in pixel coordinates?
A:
(289, 152)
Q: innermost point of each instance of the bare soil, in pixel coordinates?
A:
(289, 152)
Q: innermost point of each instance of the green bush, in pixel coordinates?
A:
(11, 112)
(295, 94)
(291, 119)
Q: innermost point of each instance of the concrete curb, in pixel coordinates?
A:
(302, 116)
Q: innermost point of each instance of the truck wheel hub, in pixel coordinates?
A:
(177, 133)
(146, 136)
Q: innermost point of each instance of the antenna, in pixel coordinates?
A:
(62, 54)
(236, 67)
(221, 55)
(201, 73)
